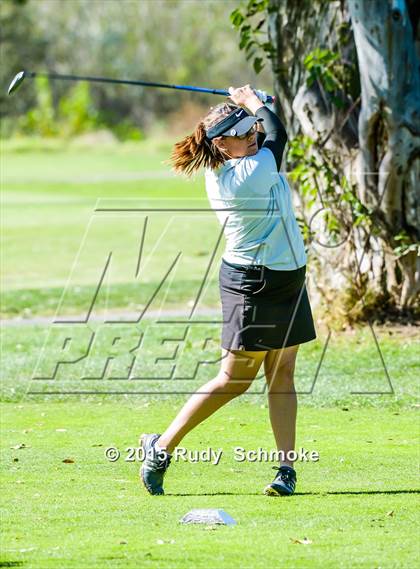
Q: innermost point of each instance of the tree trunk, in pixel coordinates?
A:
(377, 149)
(388, 163)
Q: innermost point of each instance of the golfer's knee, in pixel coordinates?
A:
(281, 379)
(233, 385)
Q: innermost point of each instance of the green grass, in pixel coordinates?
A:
(54, 240)
(92, 513)
(129, 297)
(351, 363)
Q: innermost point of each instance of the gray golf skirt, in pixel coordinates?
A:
(264, 309)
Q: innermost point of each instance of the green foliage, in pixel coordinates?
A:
(125, 131)
(75, 115)
(325, 66)
(157, 41)
(405, 244)
(319, 63)
(250, 21)
(20, 43)
(76, 111)
(7, 127)
(338, 76)
(317, 175)
(41, 119)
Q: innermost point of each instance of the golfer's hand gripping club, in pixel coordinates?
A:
(249, 98)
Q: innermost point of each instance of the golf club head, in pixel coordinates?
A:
(16, 82)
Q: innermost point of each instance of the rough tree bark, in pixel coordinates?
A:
(388, 167)
(378, 149)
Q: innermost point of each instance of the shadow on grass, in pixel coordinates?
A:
(345, 492)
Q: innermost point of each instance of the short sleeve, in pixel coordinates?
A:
(258, 172)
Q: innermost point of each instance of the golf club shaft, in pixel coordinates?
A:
(129, 82)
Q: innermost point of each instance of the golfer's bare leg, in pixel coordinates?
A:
(238, 369)
(279, 367)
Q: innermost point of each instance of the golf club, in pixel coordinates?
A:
(19, 77)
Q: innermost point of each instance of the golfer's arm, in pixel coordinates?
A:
(260, 138)
(275, 134)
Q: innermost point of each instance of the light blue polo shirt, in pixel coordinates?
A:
(252, 201)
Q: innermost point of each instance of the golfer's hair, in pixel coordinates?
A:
(196, 150)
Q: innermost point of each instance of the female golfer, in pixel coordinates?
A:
(266, 311)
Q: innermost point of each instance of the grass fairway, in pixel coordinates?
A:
(357, 505)
(53, 237)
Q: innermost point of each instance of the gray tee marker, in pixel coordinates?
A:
(210, 517)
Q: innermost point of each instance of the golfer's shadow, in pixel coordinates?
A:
(344, 492)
